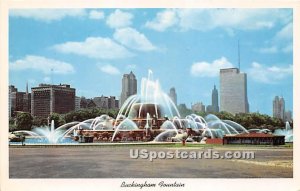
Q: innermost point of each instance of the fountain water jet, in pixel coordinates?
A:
(287, 132)
(149, 115)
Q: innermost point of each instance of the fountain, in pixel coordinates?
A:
(148, 116)
(287, 132)
(45, 134)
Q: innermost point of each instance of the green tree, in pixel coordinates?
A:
(278, 123)
(39, 121)
(58, 119)
(24, 121)
(225, 115)
(253, 120)
(12, 125)
(202, 114)
(84, 114)
(12, 128)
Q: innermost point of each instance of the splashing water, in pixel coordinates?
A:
(151, 100)
(151, 112)
(287, 132)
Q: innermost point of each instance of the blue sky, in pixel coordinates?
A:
(185, 48)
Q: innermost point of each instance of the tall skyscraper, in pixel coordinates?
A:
(233, 91)
(129, 87)
(214, 107)
(279, 108)
(173, 95)
(47, 99)
(215, 99)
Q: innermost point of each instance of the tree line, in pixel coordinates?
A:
(24, 121)
(247, 120)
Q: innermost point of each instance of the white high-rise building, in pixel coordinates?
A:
(129, 87)
(279, 108)
(233, 91)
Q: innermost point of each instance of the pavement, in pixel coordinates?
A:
(115, 162)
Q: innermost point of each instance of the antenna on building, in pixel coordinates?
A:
(26, 87)
(239, 63)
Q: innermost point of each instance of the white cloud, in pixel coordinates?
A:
(163, 20)
(97, 15)
(119, 19)
(284, 38)
(205, 69)
(109, 69)
(95, 47)
(286, 33)
(282, 41)
(208, 19)
(42, 64)
(133, 39)
(244, 19)
(269, 74)
(269, 50)
(47, 15)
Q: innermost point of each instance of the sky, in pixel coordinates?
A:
(91, 49)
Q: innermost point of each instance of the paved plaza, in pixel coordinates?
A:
(115, 162)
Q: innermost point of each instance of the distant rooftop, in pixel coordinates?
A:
(52, 86)
(256, 135)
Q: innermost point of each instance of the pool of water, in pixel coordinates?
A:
(45, 141)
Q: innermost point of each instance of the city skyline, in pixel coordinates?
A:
(141, 41)
(111, 101)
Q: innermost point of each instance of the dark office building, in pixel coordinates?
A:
(47, 99)
(18, 101)
(214, 107)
